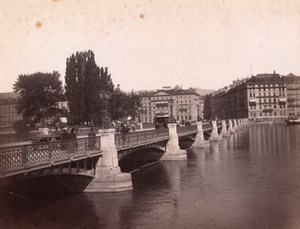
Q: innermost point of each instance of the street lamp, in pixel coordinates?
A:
(139, 114)
(198, 114)
(105, 95)
(43, 111)
(171, 106)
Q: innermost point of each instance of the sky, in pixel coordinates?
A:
(150, 44)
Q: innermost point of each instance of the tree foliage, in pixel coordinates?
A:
(39, 93)
(23, 126)
(123, 104)
(207, 109)
(84, 81)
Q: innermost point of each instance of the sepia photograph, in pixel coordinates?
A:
(150, 114)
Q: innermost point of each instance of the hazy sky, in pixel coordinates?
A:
(149, 44)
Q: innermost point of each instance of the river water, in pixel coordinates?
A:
(249, 180)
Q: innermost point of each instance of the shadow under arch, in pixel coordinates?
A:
(139, 158)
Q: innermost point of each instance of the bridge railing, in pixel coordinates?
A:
(32, 155)
(186, 129)
(140, 137)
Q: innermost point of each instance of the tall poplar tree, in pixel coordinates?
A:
(84, 81)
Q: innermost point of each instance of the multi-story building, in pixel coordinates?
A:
(230, 102)
(267, 96)
(261, 97)
(8, 109)
(182, 105)
(293, 94)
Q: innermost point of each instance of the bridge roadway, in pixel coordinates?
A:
(23, 159)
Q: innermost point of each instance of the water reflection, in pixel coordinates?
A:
(249, 180)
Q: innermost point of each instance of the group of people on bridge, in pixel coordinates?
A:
(124, 125)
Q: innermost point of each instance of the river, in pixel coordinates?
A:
(249, 180)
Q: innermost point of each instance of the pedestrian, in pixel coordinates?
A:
(92, 139)
(64, 138)
(73, 145)
(72, 134)
(64, 134)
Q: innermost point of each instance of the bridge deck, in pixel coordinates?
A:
(20, 159)
(26, 158)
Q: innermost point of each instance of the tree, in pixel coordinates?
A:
(207, 109)
(84, 81)
(122, 104)
(39, 93)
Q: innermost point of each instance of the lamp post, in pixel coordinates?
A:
(171, 106)
(105, 95)
(198, 113)
(139, 114)
(43, 110)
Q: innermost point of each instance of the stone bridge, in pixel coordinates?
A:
(98, 157)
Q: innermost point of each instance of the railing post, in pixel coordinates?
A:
(24, 156)
(108, 176)
(50, 151)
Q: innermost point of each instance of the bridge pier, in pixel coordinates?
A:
(230, 129)
(199, 138)
(214, 134)
(224, 132)
(173, 152)
(108, 175)
(235, 125)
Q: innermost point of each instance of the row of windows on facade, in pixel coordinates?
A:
(267, 100)
(280, 113)
(267, 85)
(267, 89)
(265, 94)
(8, 108)
(267, 106)
(167, 97)
(185, 102)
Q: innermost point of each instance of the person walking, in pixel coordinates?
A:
(92, 139)
(73, 145)
(72, 134)
(64, 138)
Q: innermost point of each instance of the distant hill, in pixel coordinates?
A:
(203, 91)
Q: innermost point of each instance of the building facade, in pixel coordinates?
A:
(9, 113)
(8, 109)
(293, 94)
(267, 97)
(182, 105)
(261, 97)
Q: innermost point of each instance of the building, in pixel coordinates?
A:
(182, 105)
(267, 96)
(293, 94)
(261, 97)
(8, 109)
